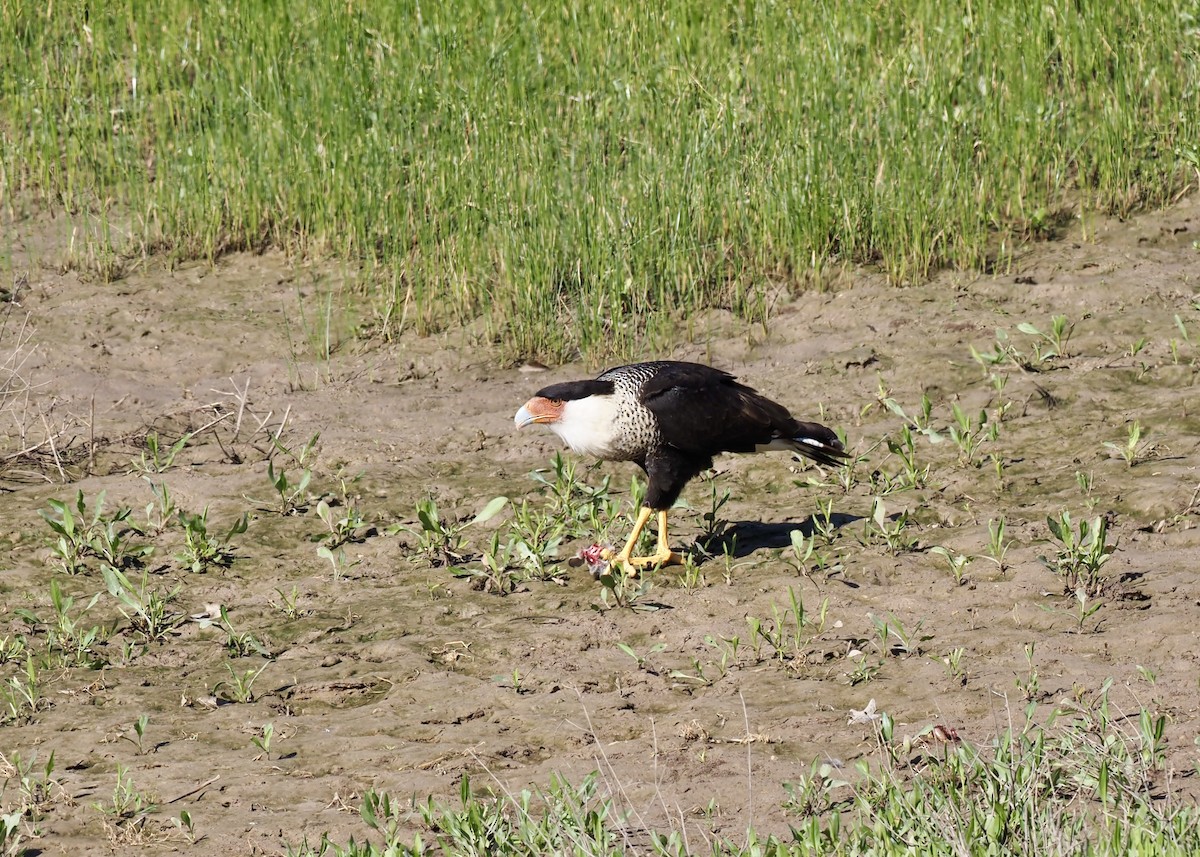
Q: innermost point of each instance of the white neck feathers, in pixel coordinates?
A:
(589, 426)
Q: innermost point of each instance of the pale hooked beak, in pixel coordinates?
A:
(538, 410)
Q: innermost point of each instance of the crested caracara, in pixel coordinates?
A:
(670, 418)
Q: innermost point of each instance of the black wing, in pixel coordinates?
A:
(703, 411)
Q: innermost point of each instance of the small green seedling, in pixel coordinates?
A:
(997, 544)
(240, 643)
(1081, 554)
(128, 802)
(892, 533)
(1056, 338)
(154, 459)
(160, 511)
(202, 551)
(342, 527)
(893, 639)
(1134, 447)
(442, 540)
(74, 530)
(287, 603)
(953, 665)
(958, 562)
(263, 741)
(147, 608)
(139, 732)
(240, 687)
(640, 659)
(292, 492)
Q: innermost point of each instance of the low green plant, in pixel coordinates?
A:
(240, 643)
(903, 447)
(379, 815)
(11, 839)
(160, 511)
(803, 549)
(1031, 684)
(714, 524)
(292, 495)
(1086, 608)
(338, 563)
(202, 551)
(343, 526)
(36, 785)
(240, 686)
(891, 532)
(263, 741)
(1185, 337)
(1138, 345)
(128, 802)
(441, 540)
(154, 459)
(619, 589)
(790, 630)
(696, 676)
(957, 562)
(1054, 340)
(1134, 448)
(561, 819)
(497, 569)
(82, 534)
(533, 540)
(892, 639)
(1087, 483)
(863, 670)
(921, 421)
(21, 695)
(147, 607)
(1045, 346)
(1080, 778)
(692, 576)
(113, 543)
(139, 733)
(998, 545)
(12, 648)
(582, 509)
(822, 521)
(969, 435)
(69, 639)
(640, 659)
(1081, 554)
(288, 603)
(186, 826)
(953, 664)
(291, 491)
(74, 528)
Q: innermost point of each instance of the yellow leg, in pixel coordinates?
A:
(662, 555)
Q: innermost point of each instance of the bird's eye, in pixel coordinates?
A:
(556, 402)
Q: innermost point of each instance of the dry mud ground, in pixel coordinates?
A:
(394, 674)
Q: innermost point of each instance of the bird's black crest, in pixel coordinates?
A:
(568, 391)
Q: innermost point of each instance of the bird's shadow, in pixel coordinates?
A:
(741, 538)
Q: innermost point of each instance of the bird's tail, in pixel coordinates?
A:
(818, 442)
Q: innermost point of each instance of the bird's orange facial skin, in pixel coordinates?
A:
(542, 410)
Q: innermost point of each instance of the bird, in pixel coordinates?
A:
(670, 418)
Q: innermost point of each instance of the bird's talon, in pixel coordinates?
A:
(670, 558)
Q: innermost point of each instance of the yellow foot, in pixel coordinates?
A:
(663, 555)
(632, 565)
(654, 560)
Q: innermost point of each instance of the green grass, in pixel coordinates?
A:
(584, 174)
(1086, 782)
